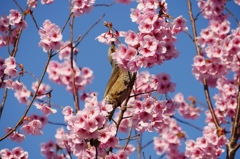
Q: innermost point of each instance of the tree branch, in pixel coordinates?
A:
(189, 124)
(89, 30)
(75, 91)
(205, 86)
(30, 104)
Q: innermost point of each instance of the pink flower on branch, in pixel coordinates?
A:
(80, 7)
(124, 1)
(50, 35)
(16, 152)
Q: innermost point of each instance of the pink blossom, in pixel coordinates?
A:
(48, 149)
(16, 152)
(111, 156)
(32, 3)
(50, 35)
(237, 2)
(17, 86)
(34, 127)
(4, 22)
(186, 110)
(22, 95)
(11, 72)
(131, 38)
(15, 136)
(14, 17)
(179, 25)
(81, 7)
(47, 1)
(47, 110)
(10, 63)
(124, 1)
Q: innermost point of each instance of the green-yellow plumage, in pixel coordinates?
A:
(118, 85)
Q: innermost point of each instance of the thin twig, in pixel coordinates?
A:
(142, 93)
(131, 138)
(13, 54)
(232, 146)
(187, 123)
(8, 41)
(190, 36)
(106, 5)
(236, 147)
(3, 101)
(34, 20)
(66, 22)
(234, 17)
(30, 104)
(55, 123)
(31, 74)
(209, 102)
(143, 155)
(89, 30)
(206, 91)
(194, 29)
(139, 146)
(129, 135)
(201, 11)
(19, 6)
(148, 143)
(79, 37)
(75, 91)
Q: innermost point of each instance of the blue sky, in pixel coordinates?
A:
(93, 54)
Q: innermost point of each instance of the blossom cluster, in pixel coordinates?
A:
(86, 126)
(61, 73)
(186, 110)
(10, 67)
(21, 92)
(16, 21)
(208, 146)
(211, 8)
(153, 44)
(16, 152)
(169, 139)
(225, 100)
(147, 83)
(49, 150)
(50, 35)
(15, 136)
(81, 7)
(34, 124)
(220, 48)
(124, 1)
(149, 114)
(33, 3)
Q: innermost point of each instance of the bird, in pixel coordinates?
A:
(117, 88)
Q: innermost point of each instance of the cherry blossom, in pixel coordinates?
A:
(124, 1)
(15, 136)
(32, 3)
(46, 109)
(16, 152)
(50, 35)
(188, 111)
(60, 73)
(47, 1)
(151, 45)
(81, 7)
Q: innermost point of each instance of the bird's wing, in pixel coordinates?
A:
(114, 76)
